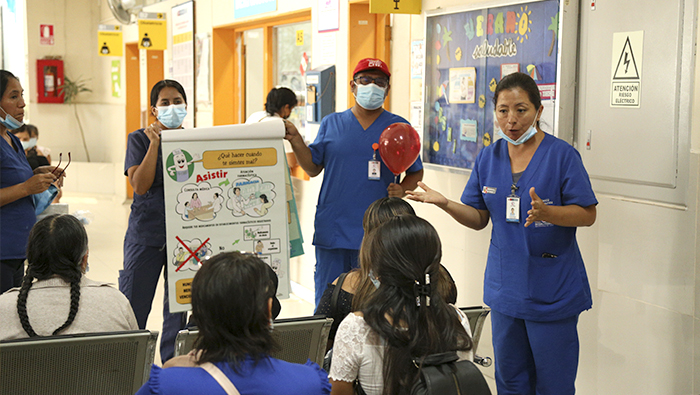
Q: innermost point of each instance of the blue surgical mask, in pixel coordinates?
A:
(370, 96)
(10, 122)
(375, 281)
(523, 138)
(43, 200)
(29, 144)
(172, 116)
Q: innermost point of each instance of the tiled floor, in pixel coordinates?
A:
(108, 222)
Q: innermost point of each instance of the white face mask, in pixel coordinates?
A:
(172, 116)
(370, 96)
(29, 144)
(523, 138)
(10, 122)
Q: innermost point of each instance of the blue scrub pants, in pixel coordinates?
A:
(11, 273)
(534, 357)
(138, 281)
(331, 263)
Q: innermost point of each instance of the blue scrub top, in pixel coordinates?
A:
(344, 149)
(147, 218)
(16, 218)
(519, 280)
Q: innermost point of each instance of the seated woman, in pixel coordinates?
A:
(61, 300)
(405, 318)
(336, 302)
(232, 301)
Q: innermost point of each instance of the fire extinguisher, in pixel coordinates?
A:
(49, 82)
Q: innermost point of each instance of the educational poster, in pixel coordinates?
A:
(225, 190)
(467, 53)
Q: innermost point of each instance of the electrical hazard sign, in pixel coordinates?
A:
(626, 81)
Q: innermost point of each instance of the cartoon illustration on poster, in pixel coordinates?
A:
(251, 196)
(459, 86)
(190, 254)
(199, 201)
(180, 165)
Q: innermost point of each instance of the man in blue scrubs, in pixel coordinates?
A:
(354, 175)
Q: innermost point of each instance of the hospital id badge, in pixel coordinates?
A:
(513, 209)
(374, 170)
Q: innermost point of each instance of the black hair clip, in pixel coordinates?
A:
(422, 290)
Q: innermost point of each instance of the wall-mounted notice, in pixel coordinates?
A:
(626, 81)
(153, 31)
(109, 40)
(225, 190)
(467, 53)
(328, 15)
(183, 53)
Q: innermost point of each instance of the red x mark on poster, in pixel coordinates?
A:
(192, 254)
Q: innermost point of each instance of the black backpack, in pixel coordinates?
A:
(444, 374)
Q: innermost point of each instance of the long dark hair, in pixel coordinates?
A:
(56, 247)
(277, 98)
(4, 79)
(403, 250)
(155, 91)
(380, 211)
(230, 294)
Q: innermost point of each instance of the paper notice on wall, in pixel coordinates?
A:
(183, 53)
(324, 49)
(225, 190)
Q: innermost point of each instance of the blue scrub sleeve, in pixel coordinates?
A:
(135, 151)
(576, 187)
(472, 195)
(318, 147)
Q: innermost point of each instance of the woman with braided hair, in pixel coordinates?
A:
(406, 318)
(55, 298)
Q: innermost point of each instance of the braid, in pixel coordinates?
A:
(22, 305)
(74, 303)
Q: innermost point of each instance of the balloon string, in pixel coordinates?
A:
(396, 179)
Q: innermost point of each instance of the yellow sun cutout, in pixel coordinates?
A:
(524, 23)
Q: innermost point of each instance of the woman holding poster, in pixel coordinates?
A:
(144, 244)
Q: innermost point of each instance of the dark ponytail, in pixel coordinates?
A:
(278, 98)
(56, 247)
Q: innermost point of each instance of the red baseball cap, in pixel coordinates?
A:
(371, 64)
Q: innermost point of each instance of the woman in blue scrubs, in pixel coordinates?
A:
(144, 243)
(18, 182)
(535, 190)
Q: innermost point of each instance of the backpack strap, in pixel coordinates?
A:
(336, 292)
(220, 378)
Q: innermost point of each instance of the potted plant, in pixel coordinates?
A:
(70, 90)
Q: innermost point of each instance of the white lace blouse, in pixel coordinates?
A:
(358, 352)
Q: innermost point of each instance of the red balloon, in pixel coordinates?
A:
(399, 147)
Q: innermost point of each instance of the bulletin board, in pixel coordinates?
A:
(467, 52)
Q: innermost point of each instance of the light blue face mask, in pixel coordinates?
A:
(375, 281)
(43, 200)
(172, 116)
(523, 138)
(10, 122)
(29, 144)
(370, 96)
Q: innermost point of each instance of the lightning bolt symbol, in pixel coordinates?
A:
(626, 62)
